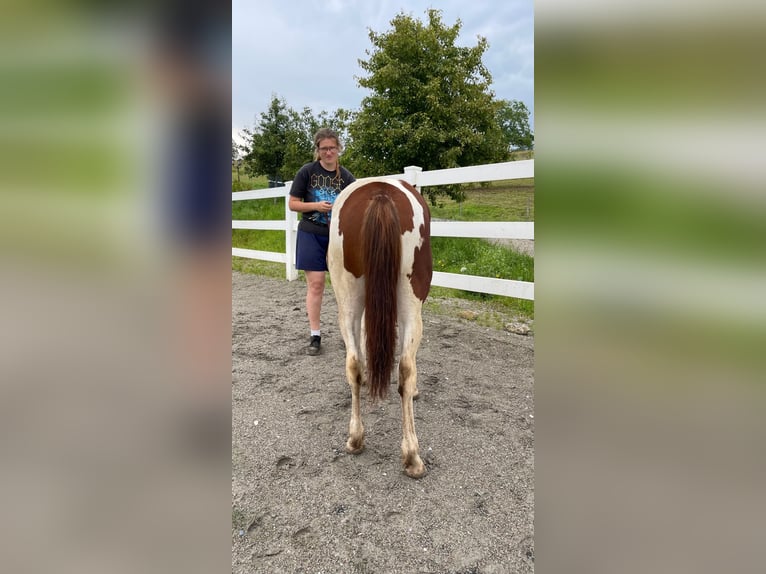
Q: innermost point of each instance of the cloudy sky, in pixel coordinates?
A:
(307, 51)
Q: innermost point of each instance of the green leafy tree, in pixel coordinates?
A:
(299, 146)
(513, 118)
(309, 125)
(430, 104)
(278, 143)
(235, 159)
(283, 140)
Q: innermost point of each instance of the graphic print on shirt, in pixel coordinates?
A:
(324, 188)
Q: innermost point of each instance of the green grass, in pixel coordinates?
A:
(471, 256)
(493, 312)
(243, 182)
(512, 200)
(256, 267)
(497, 201)
(257, 209)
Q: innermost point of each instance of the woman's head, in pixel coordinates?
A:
(327, 146)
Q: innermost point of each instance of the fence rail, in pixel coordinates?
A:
(419, 178)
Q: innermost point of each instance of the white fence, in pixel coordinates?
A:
(419, 178)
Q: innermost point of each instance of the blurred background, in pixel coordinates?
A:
(115, 289)
(650, 323)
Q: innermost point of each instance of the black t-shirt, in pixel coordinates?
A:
(314, 183)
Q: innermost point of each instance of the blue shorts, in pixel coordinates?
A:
(311, 251)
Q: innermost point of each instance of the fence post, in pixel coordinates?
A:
(411, 173)
(291, 236)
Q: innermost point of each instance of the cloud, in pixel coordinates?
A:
(308, 53)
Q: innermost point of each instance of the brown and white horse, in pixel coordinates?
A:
(380, 264)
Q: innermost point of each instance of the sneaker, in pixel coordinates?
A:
(314, 345)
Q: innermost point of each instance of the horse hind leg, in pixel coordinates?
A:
(349, 312)
(355, 442)
(413, 465)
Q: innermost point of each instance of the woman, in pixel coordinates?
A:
(314, 189)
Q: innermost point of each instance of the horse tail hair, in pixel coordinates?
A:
(381, 252)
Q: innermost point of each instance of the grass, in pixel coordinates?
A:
(272, 208)
(511, 200)
(490, 312)
(242, 182)
(472, 256)
(262, 240)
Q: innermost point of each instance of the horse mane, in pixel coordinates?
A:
(382, 253)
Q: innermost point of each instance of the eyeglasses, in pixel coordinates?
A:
(328, 148)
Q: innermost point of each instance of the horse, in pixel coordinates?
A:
(380, 263)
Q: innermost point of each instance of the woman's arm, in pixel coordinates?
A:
(297, 204)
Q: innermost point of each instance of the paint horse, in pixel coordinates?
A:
(380, 264)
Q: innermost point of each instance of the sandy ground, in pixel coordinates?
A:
(300, 504)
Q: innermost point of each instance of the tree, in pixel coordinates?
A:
(337, 120)
(513, 118)
(284, 139)
(431, 104)
(278, 143)
(235, 161)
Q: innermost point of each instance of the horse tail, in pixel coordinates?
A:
(382, 253)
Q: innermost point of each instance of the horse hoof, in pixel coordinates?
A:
(415, 470)
(352, 448)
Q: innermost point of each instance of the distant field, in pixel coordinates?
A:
(241, 182)
(511, 200)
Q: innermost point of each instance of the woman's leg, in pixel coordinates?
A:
(314, 293)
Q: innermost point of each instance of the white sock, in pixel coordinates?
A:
(317, 332)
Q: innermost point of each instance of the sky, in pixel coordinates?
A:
(307, 52)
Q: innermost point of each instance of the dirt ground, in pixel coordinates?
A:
(300, 504)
